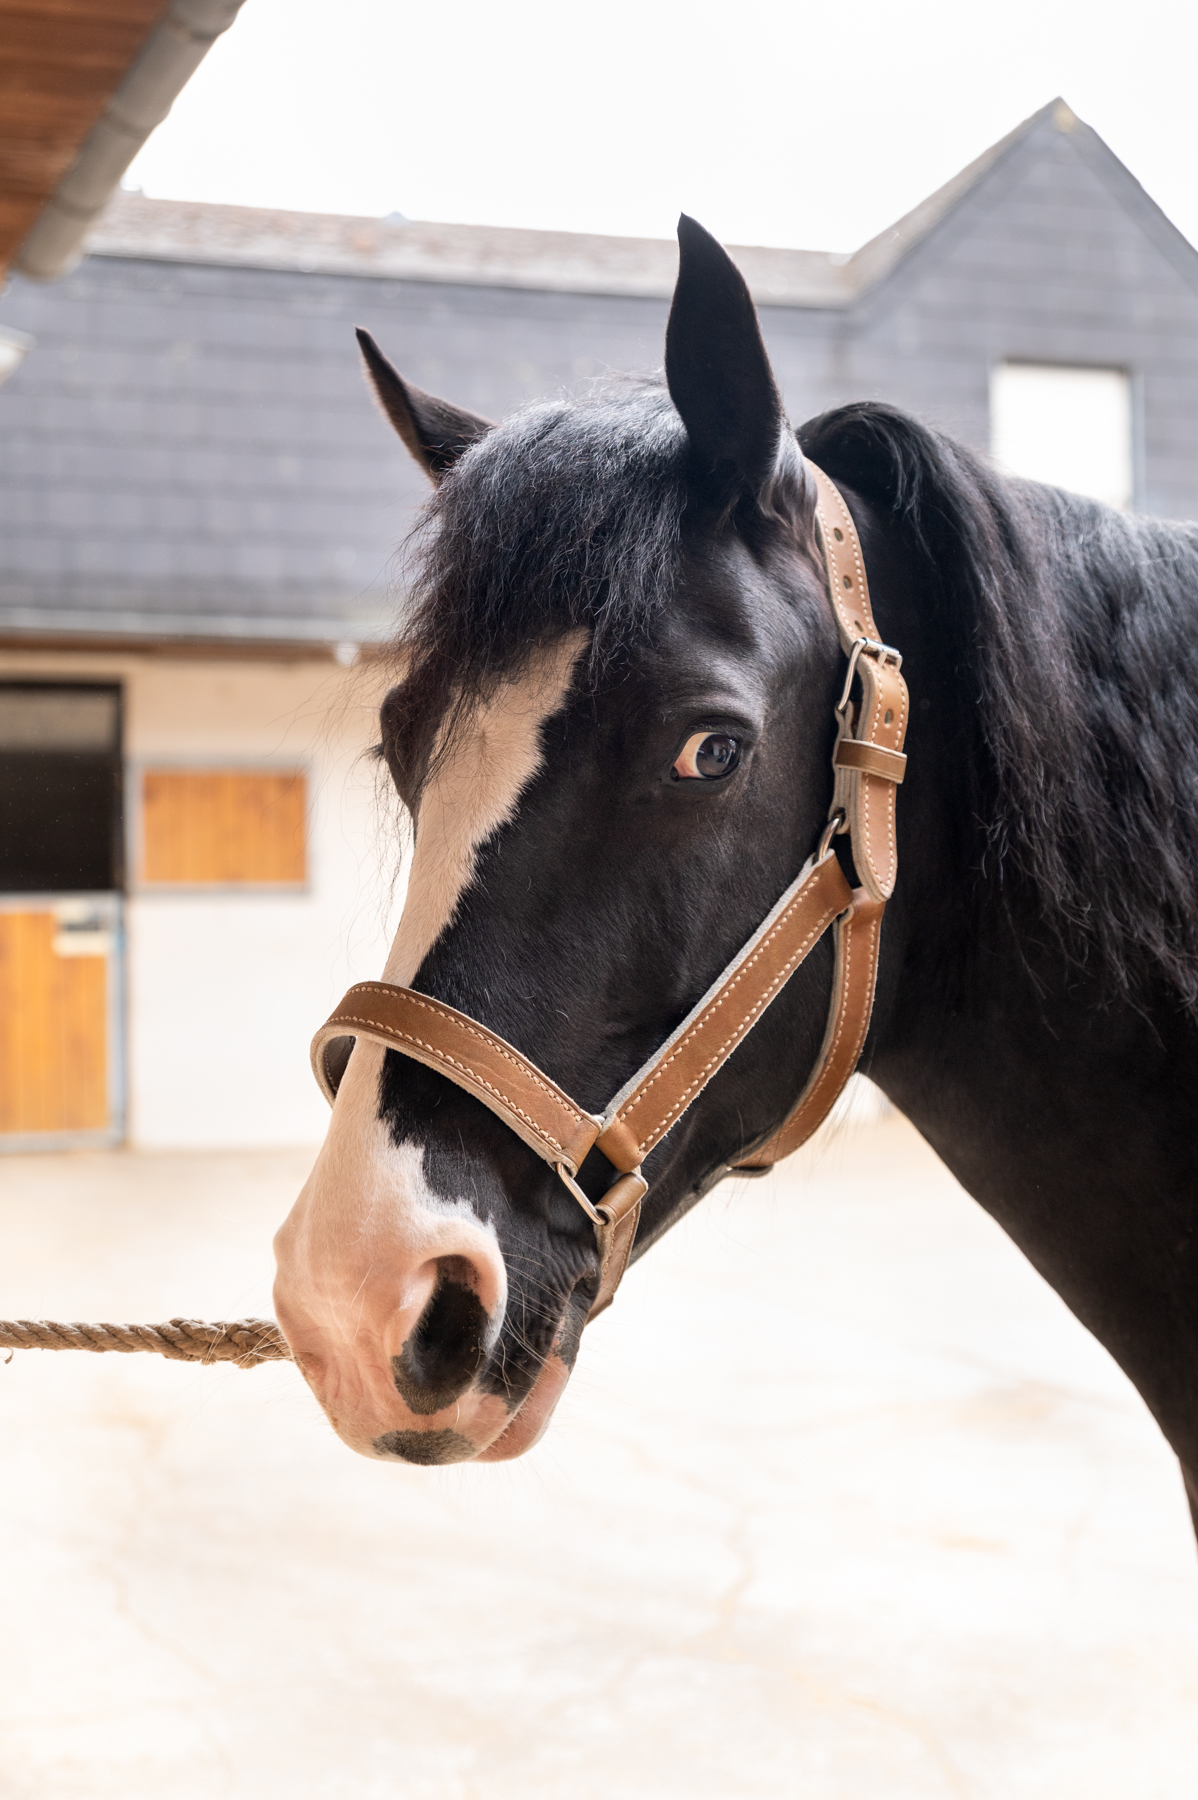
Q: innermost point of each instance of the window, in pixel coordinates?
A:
(1069, 427)
(60, 788)
(223, 827)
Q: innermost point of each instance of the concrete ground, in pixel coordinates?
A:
(841, 1504)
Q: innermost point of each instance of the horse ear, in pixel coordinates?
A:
(435, 431)
(719, 375)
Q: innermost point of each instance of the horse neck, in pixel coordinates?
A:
(1065, 1107)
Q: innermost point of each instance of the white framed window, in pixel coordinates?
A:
(1065, 425)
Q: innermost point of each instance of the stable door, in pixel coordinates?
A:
(59, 969)
(60, 915)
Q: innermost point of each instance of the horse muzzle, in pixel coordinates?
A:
(358, 1393)
(392, 1300)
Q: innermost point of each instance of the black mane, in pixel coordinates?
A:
(1072, 627)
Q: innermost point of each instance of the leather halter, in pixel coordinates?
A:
(868, 764)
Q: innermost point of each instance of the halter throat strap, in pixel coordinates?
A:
(868, 764)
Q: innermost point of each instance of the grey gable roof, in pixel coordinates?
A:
(876, 260)
(471, 255)
(499, 256)
(881, 255)
(1124, 187)
(577, 262)
(189, 453)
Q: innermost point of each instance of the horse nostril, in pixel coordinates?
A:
(446, 1349)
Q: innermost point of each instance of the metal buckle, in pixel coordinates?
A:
(865, 646)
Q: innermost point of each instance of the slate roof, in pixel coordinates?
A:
(498, 256)
(188, 454)
(476, 255)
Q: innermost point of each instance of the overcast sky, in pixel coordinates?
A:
(774, 123)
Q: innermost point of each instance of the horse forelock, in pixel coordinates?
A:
(566, 517)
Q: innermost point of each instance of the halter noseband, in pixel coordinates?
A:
(868, 764)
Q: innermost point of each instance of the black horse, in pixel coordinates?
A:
(613, 732)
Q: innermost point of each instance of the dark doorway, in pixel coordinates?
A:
(60, 788)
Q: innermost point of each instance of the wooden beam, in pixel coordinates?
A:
(60, 63)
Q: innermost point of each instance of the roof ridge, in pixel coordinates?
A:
(133, 225)
(880, 254)
(428, 250)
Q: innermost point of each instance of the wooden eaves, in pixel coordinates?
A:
(83, 83)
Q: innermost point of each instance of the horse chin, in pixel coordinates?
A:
(477, 1429)
(527, 1425)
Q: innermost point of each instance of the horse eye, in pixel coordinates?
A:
(708, 756)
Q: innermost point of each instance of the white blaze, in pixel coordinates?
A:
(474, 790)
(360, 1252)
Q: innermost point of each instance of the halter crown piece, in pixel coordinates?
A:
(868, 764)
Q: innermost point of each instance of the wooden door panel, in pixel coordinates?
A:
(53, 1030)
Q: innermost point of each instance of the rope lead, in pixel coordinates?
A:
(245, 1342)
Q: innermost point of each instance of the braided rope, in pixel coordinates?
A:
(245, 1342)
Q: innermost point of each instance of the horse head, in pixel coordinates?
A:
(613, 735)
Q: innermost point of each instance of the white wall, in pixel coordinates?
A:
(224, 990)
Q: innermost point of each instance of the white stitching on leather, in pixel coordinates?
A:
(793, 1119)
(886, 877)
(390, 1034)
(701, 1025)
(841, 1017)
(496, 1045)
(441, 1011)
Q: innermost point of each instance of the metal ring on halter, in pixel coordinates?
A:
(592, 1212)
(837, 823)
(631, 1180)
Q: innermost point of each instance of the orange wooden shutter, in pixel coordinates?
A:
(218, 827)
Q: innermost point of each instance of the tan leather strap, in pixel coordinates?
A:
(868, 764)
(659, 1093)
(645, 1108)
(868, 760)
(857, 937)
(849, 754)
(476, 1059)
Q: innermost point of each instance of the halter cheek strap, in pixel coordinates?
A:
(868, 763)
(868, 767)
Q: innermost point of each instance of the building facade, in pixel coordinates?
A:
(199, 520)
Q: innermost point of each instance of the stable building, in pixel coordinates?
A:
(199, 520)
(196, 856)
